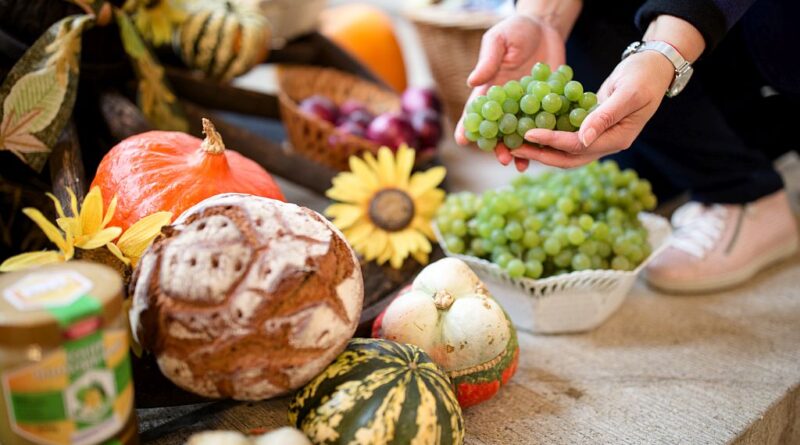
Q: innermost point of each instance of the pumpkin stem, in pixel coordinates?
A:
(443, 300)
(212, 144)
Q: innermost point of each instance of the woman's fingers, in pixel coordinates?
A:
(621, 103)
(521, 164)
(493, 49)
(554, 158)
(503, 154)
(561, 140)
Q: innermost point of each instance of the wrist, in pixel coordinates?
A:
(558, 14)
(679, 33)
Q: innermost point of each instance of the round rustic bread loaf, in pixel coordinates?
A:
(246, 297)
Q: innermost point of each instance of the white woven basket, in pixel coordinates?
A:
(573, 302)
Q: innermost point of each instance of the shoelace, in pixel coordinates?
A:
(698, 228)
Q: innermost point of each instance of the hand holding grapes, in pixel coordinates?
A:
(508, 51)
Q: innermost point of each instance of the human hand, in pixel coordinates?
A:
(628, 99)
(508, 51)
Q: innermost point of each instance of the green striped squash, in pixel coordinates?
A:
(223, 38)
(379, 392)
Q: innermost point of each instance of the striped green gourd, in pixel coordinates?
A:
(379, 392)
(223, 39)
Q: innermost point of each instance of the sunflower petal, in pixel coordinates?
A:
(385, 255)
(376, 244)
(112, 206)
(400, 245)
(429, 202)
(92, 212)
(57, 204)
(99, 239)
(31, 259)
(138, 237)
(358, 232)
(347, 187)
(345, 215)
(424, 181)
(362, 170)
(424, 226)
(404, 164)
(73, 202)
(386, 168)
(52, 233)
(118, 253)
(421, 257)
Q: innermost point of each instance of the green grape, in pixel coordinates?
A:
(445, 223)
(603, 249)
(588, 247)
(459, 227)
(562, 123)
(497, 222)
(576, 236)
(511, 106)
(540, 71)
(566, 71)
(478, 247)
(620, 263)
(636, 255)
(508, 124)
(577, 116)
(551, 103)
(649, 202)
(488, 129)
(552, 246)
(539, 89)
(454, 244)
(472, 121)
(573, 90)
(487, 144)
(535, 254)
(545, 120)
(555, 75)
(533, 222)
(565, 205)
(588, 100)
(512, 141)
(563, 258)
(586, 222)
(516, 248)
(533, 269)
(477, 104)
(556, 86)
(529, 104)
(565, 105)
(472, 136)
(485, 229)
(492, 110)
(622, 247)
(498, 236)
(524, 124)
(497, 94)
(503, 259)
(640, 187)
(525, 81)
(514, 89)
(597, 262)
(581, 261)
(530, 239)
(514, 231)
(559, 218)
(515, 268)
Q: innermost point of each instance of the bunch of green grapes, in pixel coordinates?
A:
(545, 99)
(553, 223)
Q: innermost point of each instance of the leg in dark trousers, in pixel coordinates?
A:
(716, 139)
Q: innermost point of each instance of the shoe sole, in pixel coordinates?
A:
(731, 279)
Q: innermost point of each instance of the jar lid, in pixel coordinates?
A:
(49, 304)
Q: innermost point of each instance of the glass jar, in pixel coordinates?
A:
(65, 374)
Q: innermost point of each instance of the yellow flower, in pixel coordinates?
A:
(86, 229)
(384, 211)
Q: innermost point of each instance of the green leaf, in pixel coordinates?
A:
(131, 40)
(38, 91)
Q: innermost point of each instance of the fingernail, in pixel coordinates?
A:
(530, 138)
(589, 136)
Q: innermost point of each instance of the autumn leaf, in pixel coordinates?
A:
(36, 91)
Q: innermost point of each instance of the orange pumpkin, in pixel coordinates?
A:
(172, 171)
(367, 34)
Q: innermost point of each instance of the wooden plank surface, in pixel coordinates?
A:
(720, 368)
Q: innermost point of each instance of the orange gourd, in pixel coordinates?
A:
(367, 33)
(172, 171)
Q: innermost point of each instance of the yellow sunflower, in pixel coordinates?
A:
(384, 211)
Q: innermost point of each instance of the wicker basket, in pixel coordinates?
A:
(574, 302)
(452, 41)
(318, 139)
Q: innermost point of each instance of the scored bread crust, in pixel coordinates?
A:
(246, 297)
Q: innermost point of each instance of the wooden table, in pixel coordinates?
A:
(713, 369)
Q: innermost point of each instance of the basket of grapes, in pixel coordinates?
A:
(563, 248)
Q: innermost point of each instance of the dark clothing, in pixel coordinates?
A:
(718, 137)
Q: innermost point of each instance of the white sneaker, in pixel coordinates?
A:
(722, 245)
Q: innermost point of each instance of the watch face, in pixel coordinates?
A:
(680, 82)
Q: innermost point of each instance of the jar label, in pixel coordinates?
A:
(39, 291)
(80, 394)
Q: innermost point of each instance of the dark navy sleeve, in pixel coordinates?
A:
(713, 18)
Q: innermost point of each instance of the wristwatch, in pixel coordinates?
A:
(683, 69)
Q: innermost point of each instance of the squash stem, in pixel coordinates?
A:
(212, 144)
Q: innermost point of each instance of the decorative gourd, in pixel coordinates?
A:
(450, 315)
(172, 171)
(367, 33)
(379, 392)
(246, 297)
(223, 39)
(280, 436)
